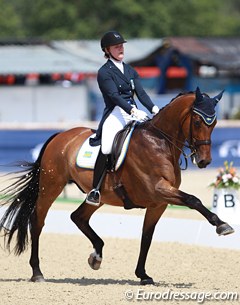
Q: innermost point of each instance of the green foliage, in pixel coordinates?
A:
(84, 19)
(10, 21)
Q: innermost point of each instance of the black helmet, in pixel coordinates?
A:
(111, 38)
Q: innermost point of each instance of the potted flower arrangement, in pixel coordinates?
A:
(225, 196)
(227, 178)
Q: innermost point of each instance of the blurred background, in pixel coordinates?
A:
(50, 54)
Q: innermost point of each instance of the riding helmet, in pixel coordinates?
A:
(111, 38)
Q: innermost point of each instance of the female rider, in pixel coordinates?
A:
(118, 83)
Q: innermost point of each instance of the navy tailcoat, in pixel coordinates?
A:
(118, 90)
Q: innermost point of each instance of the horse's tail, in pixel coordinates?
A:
(21, 196)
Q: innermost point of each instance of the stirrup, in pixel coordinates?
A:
(93, 197)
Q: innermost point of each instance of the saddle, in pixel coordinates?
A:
(119, 141)
(87, 155)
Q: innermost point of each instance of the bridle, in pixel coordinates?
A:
(192, 143)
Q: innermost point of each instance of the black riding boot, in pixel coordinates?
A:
(100, 170)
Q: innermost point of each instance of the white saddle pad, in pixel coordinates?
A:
(87, 155)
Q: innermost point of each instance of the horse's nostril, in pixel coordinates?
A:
(204, 163)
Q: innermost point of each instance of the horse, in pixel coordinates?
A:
(151, 175)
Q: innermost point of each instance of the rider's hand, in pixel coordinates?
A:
(138, 114)
(155, 110)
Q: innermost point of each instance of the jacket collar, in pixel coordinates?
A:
(124, 76)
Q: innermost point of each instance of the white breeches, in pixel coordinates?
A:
(116, 121)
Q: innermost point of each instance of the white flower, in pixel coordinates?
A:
(235, 180)
(225, 178)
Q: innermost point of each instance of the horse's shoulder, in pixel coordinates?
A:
(142, 131)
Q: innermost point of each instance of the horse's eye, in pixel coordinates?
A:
(197, 123)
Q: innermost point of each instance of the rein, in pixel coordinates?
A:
(168, 138)
(192, 142)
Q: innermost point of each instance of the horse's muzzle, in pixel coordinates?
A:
(204, 163)
(200, 163)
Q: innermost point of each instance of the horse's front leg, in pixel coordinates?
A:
(151, 218)
(81, 218)
(177, 197)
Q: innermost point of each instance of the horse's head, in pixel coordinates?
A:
(202, 122)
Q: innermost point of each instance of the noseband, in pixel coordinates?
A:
(194, 143)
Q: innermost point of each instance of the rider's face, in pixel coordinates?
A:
(117, 51)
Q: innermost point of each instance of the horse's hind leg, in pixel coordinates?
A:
(35, 232)
(47, 194)
(81, 218)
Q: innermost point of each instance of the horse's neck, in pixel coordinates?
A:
(170, 119)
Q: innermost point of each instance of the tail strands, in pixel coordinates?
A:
(21, 196)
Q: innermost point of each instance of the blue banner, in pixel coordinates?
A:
(24, 145)
(225, 146)
(21, 145)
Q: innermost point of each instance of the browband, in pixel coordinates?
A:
(208, 119)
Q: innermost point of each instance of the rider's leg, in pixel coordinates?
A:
(99, 174)
(111, 126)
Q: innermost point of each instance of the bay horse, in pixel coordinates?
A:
(151, 175)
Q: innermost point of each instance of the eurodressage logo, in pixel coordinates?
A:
(230, 148)
(200, 297)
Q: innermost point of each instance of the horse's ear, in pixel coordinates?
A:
(199, 96)
(218, 97)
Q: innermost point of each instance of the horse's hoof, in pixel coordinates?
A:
(94, 261)
(148, 281)
(37, 279)
(224, 229)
